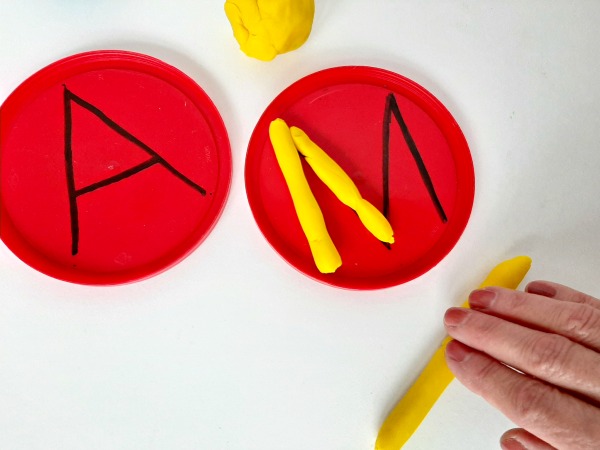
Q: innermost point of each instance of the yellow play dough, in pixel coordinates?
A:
(410, 411)
(266, 28)
(342, 186)
(325, 255)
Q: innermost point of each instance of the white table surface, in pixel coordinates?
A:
(234, 349)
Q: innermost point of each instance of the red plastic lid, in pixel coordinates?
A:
(114, 166)
(404, 151)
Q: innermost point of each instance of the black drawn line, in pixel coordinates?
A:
(121, 176)
(387, 118)
(74, 193)
(131, 138)
(70, 176)
(391, 107)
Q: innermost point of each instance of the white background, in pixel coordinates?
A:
(232, 348)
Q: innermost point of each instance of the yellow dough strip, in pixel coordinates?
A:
(410, 411)
(342, 186)
(326, 256)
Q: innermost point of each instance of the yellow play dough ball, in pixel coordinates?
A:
(266, 28)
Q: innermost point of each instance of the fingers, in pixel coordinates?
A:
(560, 292)
(519, 439)
(578, 321)
(553, 416)
(550, 332)
(547, 356)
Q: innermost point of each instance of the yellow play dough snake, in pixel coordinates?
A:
(342, 186)
(266, 28)
(410, 411)
(309, 214)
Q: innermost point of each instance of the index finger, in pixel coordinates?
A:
(546, 356)
(579, 322)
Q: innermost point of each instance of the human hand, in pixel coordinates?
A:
(551, 335)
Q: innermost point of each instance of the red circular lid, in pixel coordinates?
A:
(401, 147)
(114, 166)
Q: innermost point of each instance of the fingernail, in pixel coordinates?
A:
(512, 444)
(541, 288)
(457, 352)
(455, 316)
(481, 298)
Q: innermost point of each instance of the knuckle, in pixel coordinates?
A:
(481, 375)
(485, 327)
(530, 401)
(582, 322)
(581, 298)
(486, 371)
(548, 354)
(512, 299)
